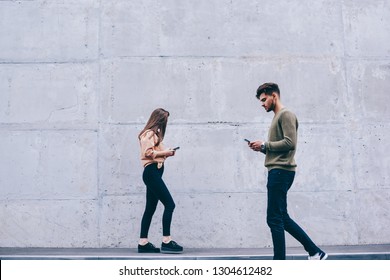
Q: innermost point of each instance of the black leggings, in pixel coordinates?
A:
(156, 190)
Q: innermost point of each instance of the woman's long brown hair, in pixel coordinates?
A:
(157, 123)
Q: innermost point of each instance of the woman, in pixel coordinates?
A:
(153, 155)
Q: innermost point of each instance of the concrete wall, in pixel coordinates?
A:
(79, 79)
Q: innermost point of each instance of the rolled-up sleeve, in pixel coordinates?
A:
(147, 145)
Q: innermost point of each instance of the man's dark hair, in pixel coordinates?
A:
(268, 89)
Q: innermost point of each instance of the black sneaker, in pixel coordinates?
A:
(171, 248)
(148, 248)
(320, 256)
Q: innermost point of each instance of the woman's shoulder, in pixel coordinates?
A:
(148, 134)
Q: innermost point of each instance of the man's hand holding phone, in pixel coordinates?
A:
(256, 145)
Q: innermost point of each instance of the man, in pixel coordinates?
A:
(279, 153)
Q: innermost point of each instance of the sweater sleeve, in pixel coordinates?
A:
(289, 125)
(148, 143)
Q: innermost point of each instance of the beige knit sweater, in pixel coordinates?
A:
(282, 141)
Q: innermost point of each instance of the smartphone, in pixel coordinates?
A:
(247, 140)
(176, 148)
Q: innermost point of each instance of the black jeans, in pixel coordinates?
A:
(279, 182)
(156, 190)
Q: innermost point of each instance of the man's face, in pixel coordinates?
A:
(267, 101)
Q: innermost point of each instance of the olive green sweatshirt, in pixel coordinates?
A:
(282, 141)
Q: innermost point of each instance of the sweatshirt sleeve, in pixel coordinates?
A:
(148, 141)
(289, 125)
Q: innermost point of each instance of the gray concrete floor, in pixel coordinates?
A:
(363, 252)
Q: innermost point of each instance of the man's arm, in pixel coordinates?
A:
(289, 142)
